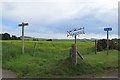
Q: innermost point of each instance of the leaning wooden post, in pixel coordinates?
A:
(73, 54)
(23, 24)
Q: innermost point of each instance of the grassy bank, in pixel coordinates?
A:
(51, 59)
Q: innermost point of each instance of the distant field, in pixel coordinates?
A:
(51, 58)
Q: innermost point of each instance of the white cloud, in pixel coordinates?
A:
(0, 28)
(12, 31)
(46, 11)
(51, 11)
(109, 16)
(55, 10)
(106, 4)
(17, 32)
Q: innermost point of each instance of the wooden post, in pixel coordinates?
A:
(107, 42)
(95, 46)
(34, 49)
(22, 37)
(73, 54)
(23, 24)
(75, 38)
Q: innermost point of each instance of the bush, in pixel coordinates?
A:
(49, 40)
(35, 40)
(14, 37)
(6, 36)
(117, 44)
(102, 44)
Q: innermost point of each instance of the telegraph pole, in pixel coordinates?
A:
(23, 24)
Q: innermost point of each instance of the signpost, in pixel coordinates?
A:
(73, 51)
(107, 29)
(74, 32)
(23, 24)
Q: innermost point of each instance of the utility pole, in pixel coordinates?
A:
(23, 24)
(107, 29)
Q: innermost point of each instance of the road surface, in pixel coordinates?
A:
(105, 74)
(8, 74)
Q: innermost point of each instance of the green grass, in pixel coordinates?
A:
(51, 59)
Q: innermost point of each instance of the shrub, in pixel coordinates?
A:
(102, 44)
(49, 40)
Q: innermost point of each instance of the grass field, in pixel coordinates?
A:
(51, 59)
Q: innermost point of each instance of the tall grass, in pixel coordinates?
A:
(51, 59)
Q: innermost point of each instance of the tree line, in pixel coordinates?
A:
(6, 36)
(101, 44)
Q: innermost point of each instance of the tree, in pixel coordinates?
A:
(5, 36)
(19, 38)
(0, 36)
(112, 44)
(14, 37)
(102, 44)
(49, 40)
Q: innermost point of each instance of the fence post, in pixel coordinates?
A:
(73, 54)
(34, 49)
(95, 46)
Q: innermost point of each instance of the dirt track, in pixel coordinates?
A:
(105, 74)
(8, 74)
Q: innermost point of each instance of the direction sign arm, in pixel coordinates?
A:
(19, 24)
(26, 24)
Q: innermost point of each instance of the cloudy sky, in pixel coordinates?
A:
(53, 18)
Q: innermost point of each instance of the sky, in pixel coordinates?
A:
(53, 18)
